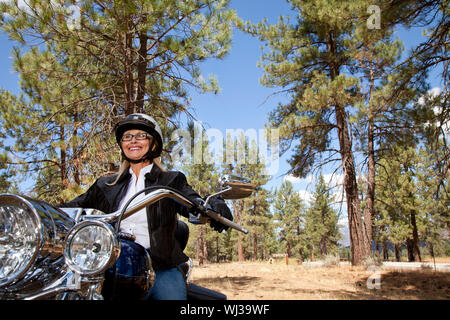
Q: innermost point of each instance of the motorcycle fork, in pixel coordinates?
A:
(92, 288)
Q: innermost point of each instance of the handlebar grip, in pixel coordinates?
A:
(225, 221)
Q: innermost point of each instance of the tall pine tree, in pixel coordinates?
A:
(310, 59)
(83, 66)
(321, 222)
(289, 214)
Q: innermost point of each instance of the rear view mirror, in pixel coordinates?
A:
(238, 187)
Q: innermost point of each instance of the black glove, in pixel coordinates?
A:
(218, 205)
(195, 211)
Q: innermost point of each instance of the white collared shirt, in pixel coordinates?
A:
(137, 223)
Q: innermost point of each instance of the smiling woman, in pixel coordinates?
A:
(136, 143)
(140, 140)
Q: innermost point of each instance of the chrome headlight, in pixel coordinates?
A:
(91, 247)
(20, 238)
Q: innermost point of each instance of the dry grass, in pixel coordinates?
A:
(278, 281)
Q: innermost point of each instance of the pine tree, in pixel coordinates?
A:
(321, 221)
(81, 72)
(258, 214)
(398, 196)
(234, 165)
(384, 112)
(288, 215)
(253, 213)
(310, 60)
(433, 199)
(337, 71)
(203, 177)
(432, 53)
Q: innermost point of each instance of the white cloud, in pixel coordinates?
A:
(437, 109)
(305, 195)
(430, 94)
(333, 180)
(293, 179)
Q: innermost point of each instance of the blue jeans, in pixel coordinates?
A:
(169, 285)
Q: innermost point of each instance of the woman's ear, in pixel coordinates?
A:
(154, 145)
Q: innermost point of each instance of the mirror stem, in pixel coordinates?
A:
(215, 195)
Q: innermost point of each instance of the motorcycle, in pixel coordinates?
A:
(79, 253)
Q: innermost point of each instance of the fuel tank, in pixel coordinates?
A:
(132, 275)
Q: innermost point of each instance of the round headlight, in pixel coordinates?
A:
(91, 247)
(20, 238)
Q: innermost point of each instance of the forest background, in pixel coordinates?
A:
(356, 90)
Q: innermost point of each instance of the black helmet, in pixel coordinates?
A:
(142, 122)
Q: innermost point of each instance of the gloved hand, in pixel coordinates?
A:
(218, 205)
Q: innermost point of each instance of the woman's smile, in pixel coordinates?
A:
(135, 149)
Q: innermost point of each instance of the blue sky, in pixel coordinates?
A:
(243, 103)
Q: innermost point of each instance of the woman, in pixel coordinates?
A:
(140, 140)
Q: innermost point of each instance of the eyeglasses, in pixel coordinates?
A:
(138, 136)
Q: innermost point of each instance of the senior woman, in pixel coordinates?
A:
(155, 227)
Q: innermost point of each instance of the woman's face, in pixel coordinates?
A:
(135, 149)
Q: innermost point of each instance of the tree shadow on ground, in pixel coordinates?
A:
(392, 285)
(236, 281)
(417, 284)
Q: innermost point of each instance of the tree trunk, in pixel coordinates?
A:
(397, 252)
(130, 106)
(358, 238)
(205, 246)
(358, 241)
(63, 165)
(431, 249)
(199, 253)
(241, 257)
(142, 72)
(76, 156)
(240, 247)
(409, 247)
(385, 250)
(202, 253)
(323, 246)
(255, 247)
(369, 209)
(415, 250)
(217, 249)
(311, 253)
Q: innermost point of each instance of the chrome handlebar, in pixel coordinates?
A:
(155, 196)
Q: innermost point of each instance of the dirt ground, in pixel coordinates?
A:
(278, 281)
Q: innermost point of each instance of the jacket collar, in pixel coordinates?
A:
(153, 175)
(119, 189)
(126, 175)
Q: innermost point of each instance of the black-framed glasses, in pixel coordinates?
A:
(138, 136)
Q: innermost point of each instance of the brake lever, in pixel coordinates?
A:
(197, 219)
(205, 215)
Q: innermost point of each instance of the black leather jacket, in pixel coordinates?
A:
(161, 216)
